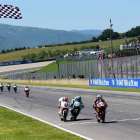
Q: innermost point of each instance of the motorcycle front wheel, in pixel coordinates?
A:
(65, 115)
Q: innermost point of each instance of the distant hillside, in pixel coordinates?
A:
(95, 33)
(19, 36)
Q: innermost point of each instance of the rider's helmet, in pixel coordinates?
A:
(99, 97)
(65, 99)
(78, 98)
(26, 86)
(1, 83)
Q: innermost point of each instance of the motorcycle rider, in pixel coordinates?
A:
(78, 99)
(62, 99)
(8, 84)
(26, 88)
(99, 97)
(1, 85)
(14, 85)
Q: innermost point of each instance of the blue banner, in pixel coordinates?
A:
(120, 82)
(16, 62)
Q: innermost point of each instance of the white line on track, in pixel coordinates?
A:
(48, 123)
(135, 119)
(123, 120)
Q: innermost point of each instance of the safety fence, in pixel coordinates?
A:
(123, 67)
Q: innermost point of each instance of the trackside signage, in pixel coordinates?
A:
(16, 62)
(122, 82)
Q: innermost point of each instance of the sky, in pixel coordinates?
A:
(76, 14)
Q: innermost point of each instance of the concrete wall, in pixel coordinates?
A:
(52, 81)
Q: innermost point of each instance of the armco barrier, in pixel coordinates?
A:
(120, 82)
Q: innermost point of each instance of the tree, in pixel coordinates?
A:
(7, 50)
(94, 39)
(106, 34)
(3, 51)
(16, 49)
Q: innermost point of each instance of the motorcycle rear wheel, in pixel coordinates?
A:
(65, 115)
(103, 116)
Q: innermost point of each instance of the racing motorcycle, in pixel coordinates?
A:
(8, 87)
(75, 110)
(26, 90)
(15, 88)
(1, 88)
(65, 109)
(100, 110)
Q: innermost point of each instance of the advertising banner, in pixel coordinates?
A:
(120, 82)
(16, 62)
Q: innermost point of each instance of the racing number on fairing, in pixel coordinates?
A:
(78, 104)
(66, 104)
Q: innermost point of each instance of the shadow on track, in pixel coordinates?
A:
(110, 122)
(79, 120)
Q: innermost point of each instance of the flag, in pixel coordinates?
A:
(9, 11)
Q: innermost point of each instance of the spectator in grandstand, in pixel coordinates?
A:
(113, 76)
(97, 47)
(81, 76)
(73, 76)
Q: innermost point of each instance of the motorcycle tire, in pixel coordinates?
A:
(103, 116)
(65, 115)
(27, 95)
(98, 120)
(76, 112)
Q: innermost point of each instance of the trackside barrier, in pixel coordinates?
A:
(50, 81)
(16, 62)
(120, 82)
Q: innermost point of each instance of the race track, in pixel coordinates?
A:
(11, 69)
(122, 118)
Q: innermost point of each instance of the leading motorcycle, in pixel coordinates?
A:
(26, 90)
(100, 110)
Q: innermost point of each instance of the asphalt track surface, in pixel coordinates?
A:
(11, 69)
(122, 117)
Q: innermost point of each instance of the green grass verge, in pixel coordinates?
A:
(15, 126)
(3, 76)
(53, 66)
(48, 68)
